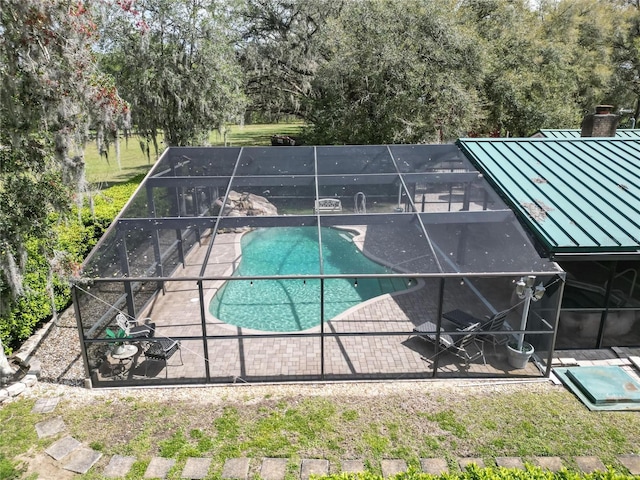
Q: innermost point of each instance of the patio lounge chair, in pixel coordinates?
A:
(161, 349)
(466, 346)
(491, 324)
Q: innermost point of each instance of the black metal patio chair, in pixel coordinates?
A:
(161, 349)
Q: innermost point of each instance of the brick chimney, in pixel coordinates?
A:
(603, 123)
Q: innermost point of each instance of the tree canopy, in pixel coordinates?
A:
(175, 63)
(50, 93)
(48, 86)
(380, 71)
(395, 72)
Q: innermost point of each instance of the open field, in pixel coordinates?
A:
(252, 135)
(102, 171)
(367, 421)
(133, 161)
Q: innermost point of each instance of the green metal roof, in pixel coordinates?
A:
(575, 133)
(578, 196)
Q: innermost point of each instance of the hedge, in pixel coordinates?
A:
(473, 472)
(75, 235)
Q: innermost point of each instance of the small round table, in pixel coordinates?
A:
(124, 358)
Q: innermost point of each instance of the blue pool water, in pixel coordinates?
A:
(294, 305)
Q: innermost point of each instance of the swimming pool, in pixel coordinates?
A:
(294, 305)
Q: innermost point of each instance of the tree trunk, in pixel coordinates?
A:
(5, 368)
(116, 144)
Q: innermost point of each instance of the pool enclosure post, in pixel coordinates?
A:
(179, 196)
(83, 345)
(197, 213)
(438, 323)
(466, 196)
(180, 246)
(151, 209)
(554, 336)
(322, 328)
(462, 245)
(607, 301)
(124, 264)
(203, 320)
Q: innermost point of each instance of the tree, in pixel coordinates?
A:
(48, 97)
(395, 72)
(543, 67)
(281, 52)
(526, 80)
(584, 29)
(175, 64)
(626, 58)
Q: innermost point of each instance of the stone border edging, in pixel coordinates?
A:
(25, 359)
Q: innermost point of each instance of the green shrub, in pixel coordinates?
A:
(473, 472)
(106, 205)
(27, 311)
(75, 236)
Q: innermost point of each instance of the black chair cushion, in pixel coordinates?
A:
(162, 348)
(142, 331)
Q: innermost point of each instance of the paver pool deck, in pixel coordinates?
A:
(240, 355)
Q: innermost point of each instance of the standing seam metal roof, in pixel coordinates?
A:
(632, 133)
(579, 195)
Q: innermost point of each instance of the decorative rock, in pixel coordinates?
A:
(434, 466)
(159, 467)
(245, 205)
(392, 467)
(4, 395)
(590, 464)
(273, 468)
(353, 466)
(62, 448)
(35, 367)
(119, 466)
(510, 462)
(51, 427)
(631, 462)
(29, 380)
(82, 460)
(311, 466)
(553, 464)
(16, 389)
(196, 468)
(236, 468)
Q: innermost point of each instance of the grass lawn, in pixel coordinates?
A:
(101, 172)
(334, 422)
(254, 135)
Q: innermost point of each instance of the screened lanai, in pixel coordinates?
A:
(580, 199)
(327, 263)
